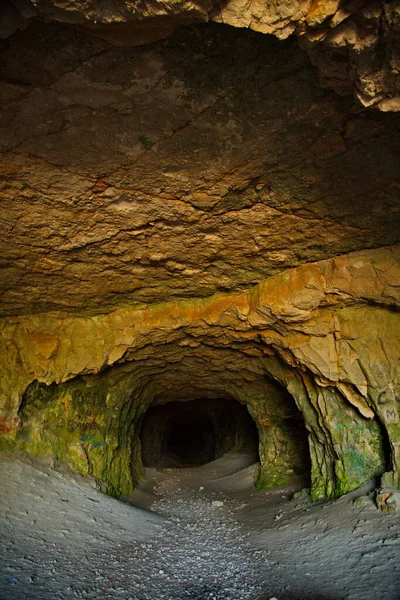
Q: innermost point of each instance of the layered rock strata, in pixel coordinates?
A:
(202, 163)
(327, 333)
(197, 219)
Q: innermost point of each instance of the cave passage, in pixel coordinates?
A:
(196, 432)
(190, 439)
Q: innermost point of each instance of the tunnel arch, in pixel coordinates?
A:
(148, 318)
(94, 421)
(272, 427)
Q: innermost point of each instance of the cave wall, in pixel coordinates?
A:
(201, 163)
(327, 333)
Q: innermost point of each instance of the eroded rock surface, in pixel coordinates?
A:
(354, 44)
(197, 219)
(327, 333)
(202, 163)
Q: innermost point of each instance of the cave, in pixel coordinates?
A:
(200, 259)
(192, 433)
(181, 434)
(166, 425)
(190, 440)
(187, 437)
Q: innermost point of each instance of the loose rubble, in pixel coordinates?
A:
(201, 553)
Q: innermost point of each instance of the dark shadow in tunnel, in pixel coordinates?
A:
(190, 439)
(196, 432)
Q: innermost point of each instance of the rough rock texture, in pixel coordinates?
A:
(197, 219)
(202, 163)
(353, 43)
(358, 49)
(327, 332)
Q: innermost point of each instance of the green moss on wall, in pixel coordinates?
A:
(80, 423)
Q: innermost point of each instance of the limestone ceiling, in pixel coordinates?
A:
(202, 162)
(353, 43)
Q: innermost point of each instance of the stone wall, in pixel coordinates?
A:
(187, 213)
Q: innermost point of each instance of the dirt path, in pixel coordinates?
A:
(210, 535)
(202, 552)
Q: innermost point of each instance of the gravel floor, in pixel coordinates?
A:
(209, 535)
(62, 541)
(202, 553)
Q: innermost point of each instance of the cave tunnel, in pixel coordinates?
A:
(188, 434)
(192, 432)
(217, 212)
(200, 266)
(185, 406)
(191, 439)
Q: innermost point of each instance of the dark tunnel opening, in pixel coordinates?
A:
(191, 439)
(193, 433)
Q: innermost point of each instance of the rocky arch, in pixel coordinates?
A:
(308, 331)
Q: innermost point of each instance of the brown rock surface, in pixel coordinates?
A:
(354, 45)
(334, 350)
(202, 163)
(198, 219)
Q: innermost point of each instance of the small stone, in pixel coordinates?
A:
(360, 501)
(388, 501)
(217, 503)
(301, 494)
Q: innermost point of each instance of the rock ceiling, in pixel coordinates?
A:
(200, 163)
(353, 43)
